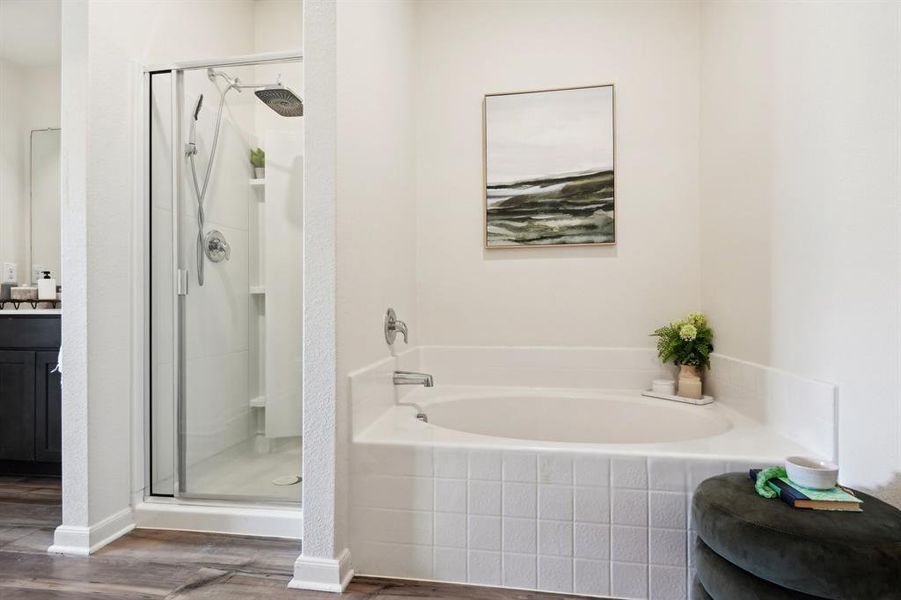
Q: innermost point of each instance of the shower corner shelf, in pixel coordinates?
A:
(258, 402)
(258, 290)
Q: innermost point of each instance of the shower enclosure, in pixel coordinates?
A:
(225, 283)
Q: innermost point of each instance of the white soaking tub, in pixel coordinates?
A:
(565, 416)
(582, 489)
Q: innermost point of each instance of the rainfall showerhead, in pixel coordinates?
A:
(281, 100)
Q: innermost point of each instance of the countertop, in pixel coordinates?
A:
(25, 312)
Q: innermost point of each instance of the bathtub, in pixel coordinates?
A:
(582, 490)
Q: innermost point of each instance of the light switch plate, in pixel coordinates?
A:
(10, 273)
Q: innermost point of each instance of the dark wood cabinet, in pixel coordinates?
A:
(48, 399)
(30, 395)
(17, 405)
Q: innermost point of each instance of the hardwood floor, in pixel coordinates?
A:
(173, 565)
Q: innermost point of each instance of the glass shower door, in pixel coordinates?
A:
(226, 424)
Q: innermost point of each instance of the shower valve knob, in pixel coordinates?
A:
(215, 247)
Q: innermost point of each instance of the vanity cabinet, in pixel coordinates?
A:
(30, 395)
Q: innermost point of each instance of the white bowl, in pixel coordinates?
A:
(811, 473)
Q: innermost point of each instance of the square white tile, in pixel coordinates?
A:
(555, 574)
(555, 502)
(629, 544)
(592, 470)
(668, 583)
(484, 533)
(628, 580)
(485, 464)
(484, 567)
(667, 474)
(555, 468)
(485, 498)
(520, 500)
(450, 530)
(591, 577)
(668, 510)
(591, 541)
(555, 538)
(520, 535)
(629, 507)
(450, 564)
(592, 504)
(450, 495)
(450, 464)
(521, 571)
(629, 472)
(667, 547)
(520, 466)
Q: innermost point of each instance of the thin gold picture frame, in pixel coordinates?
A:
(485, 169)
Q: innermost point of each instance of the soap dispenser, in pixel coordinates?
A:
(46, 287)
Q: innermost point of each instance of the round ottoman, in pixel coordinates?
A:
(697, 590)
(826, 554)
(721, 579)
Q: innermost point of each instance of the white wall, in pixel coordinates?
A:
(376, 224)
(606, 296)
(105, 45)
(13, 165)
(29, 99)
(799, 206)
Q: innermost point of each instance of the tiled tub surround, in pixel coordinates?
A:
(595, 519)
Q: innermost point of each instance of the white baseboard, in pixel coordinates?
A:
(234, 520)
(322, 574)
(83, 541)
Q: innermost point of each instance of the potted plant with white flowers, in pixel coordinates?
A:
(688, 344)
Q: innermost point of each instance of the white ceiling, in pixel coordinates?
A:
(30, 32)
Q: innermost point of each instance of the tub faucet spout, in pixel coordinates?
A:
(413, 378)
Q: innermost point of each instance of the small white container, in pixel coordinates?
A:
(811, 473)
(46, 287)
(664, 386)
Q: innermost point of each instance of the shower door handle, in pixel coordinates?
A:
(182, 283)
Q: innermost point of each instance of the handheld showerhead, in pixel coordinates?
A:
(197, 107)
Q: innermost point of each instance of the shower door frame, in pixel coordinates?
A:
(181, 283)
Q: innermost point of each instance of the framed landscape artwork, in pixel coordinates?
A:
(549, 168)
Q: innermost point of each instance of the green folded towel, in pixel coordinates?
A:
(765, 475)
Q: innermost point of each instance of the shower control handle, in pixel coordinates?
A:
(215, 247)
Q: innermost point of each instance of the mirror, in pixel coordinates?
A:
(45, 209)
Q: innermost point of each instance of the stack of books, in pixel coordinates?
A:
(838, 498)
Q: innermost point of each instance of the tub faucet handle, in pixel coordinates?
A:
(393, 326)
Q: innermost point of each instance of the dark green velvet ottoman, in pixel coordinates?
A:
(721, 579)
(834, 555)
(697, 590)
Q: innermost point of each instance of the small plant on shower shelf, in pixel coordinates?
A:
(258, 161)
(687, 343)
